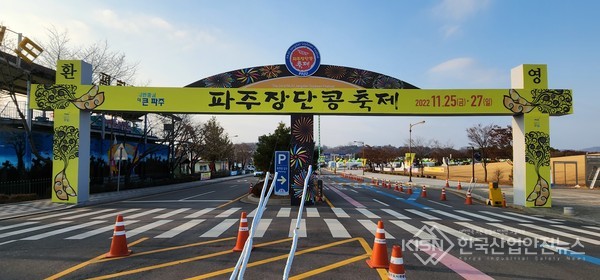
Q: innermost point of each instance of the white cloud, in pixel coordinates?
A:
(465, 71)
(459, 10)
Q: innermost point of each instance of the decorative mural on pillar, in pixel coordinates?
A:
(301, 155)
(66, 147)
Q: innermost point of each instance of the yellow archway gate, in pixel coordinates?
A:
(529, 102)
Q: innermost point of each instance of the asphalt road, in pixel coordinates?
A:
(189, 234)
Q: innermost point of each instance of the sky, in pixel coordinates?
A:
(436, 44)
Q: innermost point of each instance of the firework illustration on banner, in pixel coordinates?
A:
(298, 157)
(298, 186)
(302, 130)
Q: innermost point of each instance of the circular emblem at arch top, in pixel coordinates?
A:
(302, 59)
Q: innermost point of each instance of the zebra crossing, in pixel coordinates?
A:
(162, 223)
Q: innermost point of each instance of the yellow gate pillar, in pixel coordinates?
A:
(71, 143)
(531, 138)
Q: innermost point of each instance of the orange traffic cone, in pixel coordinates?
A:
(459, 187)
(447, 185)
(396, 271)
(443, 196)
(469, 199)
(379, 257)
(424, 192)
(118, 246)
(242, 234)
(401, 188)
(409, 190)
(503, 200)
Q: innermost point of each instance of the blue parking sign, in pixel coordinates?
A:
(282, 167)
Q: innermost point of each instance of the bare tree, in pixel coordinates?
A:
(217, 145)
(481, 136)
(98, 54)
(243, 153)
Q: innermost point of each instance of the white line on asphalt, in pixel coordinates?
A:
(504, 216)
(424, 215)
(262, 227)
(367, 213)
(530, 234)
(565, 234)
(114, 214)
(312, 213)
(199, 213)
(395, 214)
(451, 231)
(284, 212)
(442, 204)
(100, 230)
(62, 230)
(58, 214)
(251, 214)
(220, 228)
(578, 230)
(197, 195)
(380, 202)
(6, 242)
(145, 228)
(490, 232)
(450, 215)
(18, 225)
(485, 218)
(228, 212)
(33, 228)
(340, 213)
(592, 227)
(372, 228)
(416, 232)
(135, 216)
(301, 230)
(95, 212)
(532, 218)
(336, 228)
(172, 213)
(179, 229)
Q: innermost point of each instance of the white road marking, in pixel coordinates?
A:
(395, 214)
(228, 212)
(380, 202)
(565, 234)
(145, 228)
(283, 212)
(336, 228)
(451, 215)
(485, 218)
(416, 232)
(340, 213)
(172, 213)
(503, 216)
(424, 215)
(199, 213)
(100, 230)
(197, 195)
(262, 227)
(490, 232)
(220, 228)
(58, 214)
(530, 234)
(301, 230)
(62, 230)
(148, 212)
(367, 213)
(94, 212)
(451, 231)
(114, 214)
(6, 234)
(533, 218)
(18, 225)
(372, 228)
(179, 229)
(312, 213)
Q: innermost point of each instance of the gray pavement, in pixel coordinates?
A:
(15, 210)
(585, 203)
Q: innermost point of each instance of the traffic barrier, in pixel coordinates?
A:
(379, 257)
(242, 234)
(469, 199)
(118, 246)
(503, 200)
(396, 271)
(443, 196)
(424, 192)
(458, 187)
(447, 185)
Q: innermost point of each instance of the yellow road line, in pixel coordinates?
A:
(168, 249)
(177, 262)
(329, 267)
(227, 203)
(329, 202)
(84, 264)
(273, 259)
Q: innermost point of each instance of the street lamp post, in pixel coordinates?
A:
(363, 156)
(410, 148)
(472, 164)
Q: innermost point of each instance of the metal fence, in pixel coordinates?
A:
(41, 187)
